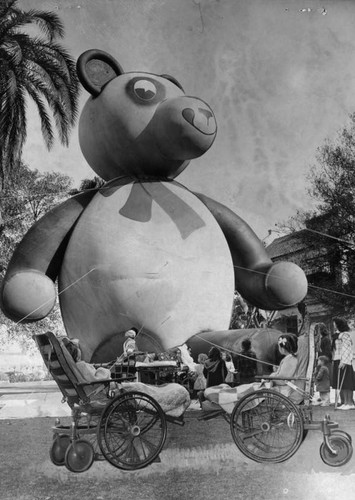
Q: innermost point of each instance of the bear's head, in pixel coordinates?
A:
(139, 124)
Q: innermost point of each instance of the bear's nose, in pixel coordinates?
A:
(183, 128)
(201, 118)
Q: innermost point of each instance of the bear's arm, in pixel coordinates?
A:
(260, 281)
(28, 292)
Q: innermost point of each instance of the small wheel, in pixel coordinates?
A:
(343, 448)
(339, 432)
(58, 449)
(132, 431)
(79, 456)
(266, 426)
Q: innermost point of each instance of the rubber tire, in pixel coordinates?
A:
(58, 449)
(339, 432)
(80, 456)
(113, 434)
(274, 402)
(342, 445)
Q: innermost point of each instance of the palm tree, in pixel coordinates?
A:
(35, 66)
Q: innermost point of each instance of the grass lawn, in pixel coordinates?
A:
(198, 461)
(27, 473)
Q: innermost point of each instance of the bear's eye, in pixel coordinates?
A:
(144, 89)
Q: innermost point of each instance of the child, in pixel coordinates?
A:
(322, 380)
(200, 382)
(246, 363)
(230, 367)
(129, 345)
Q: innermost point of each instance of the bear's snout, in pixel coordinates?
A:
(203, 119)
(183, 127)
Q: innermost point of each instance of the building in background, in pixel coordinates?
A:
(328, 265)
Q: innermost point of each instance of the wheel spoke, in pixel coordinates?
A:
(266, 426)
(132, 431)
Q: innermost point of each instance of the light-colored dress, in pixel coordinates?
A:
(230, 375)
(343, 378)
(352, 337)
(129, 346)
(287, 368)
(200, 382)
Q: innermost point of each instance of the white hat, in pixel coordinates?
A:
(130, 333)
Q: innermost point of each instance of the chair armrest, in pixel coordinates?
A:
(96, 382)
(268, 377)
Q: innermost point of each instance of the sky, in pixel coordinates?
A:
(278, 74)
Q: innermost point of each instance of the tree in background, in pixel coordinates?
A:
(35, 66)
(329, 229)
(28, 196)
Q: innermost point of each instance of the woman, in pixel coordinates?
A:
(343, 373)
(215, 371)
(287, 345)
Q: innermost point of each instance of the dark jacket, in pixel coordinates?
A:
(325, 347)
(322, 379)
(215, 372)
(245, 366)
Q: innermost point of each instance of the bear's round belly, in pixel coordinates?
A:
(150, 255)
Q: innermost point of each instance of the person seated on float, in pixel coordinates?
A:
(287, 345)
(129, 345)
(89, 372)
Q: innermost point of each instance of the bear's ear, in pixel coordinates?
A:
(95, 68)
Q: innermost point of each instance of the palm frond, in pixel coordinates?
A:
(15, 135)
(11, 51)
(36, 49)
(58, 64)
(48, 22)
(8, 95)
(12, 21)
(64, 92)
(46, 124)
(5, 6)
(61, 120)
(45, 85)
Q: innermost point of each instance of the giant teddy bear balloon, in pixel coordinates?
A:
(143, 250)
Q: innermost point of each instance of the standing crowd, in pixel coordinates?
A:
(335, 365)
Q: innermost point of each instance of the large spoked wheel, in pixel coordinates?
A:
(58, 449)
(79, 456)
(343, 451)
(266, 426)
(132, 431)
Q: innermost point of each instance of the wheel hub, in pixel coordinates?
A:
(265, 426)
(135, 430)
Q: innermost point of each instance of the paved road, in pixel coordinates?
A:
(28, 387)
